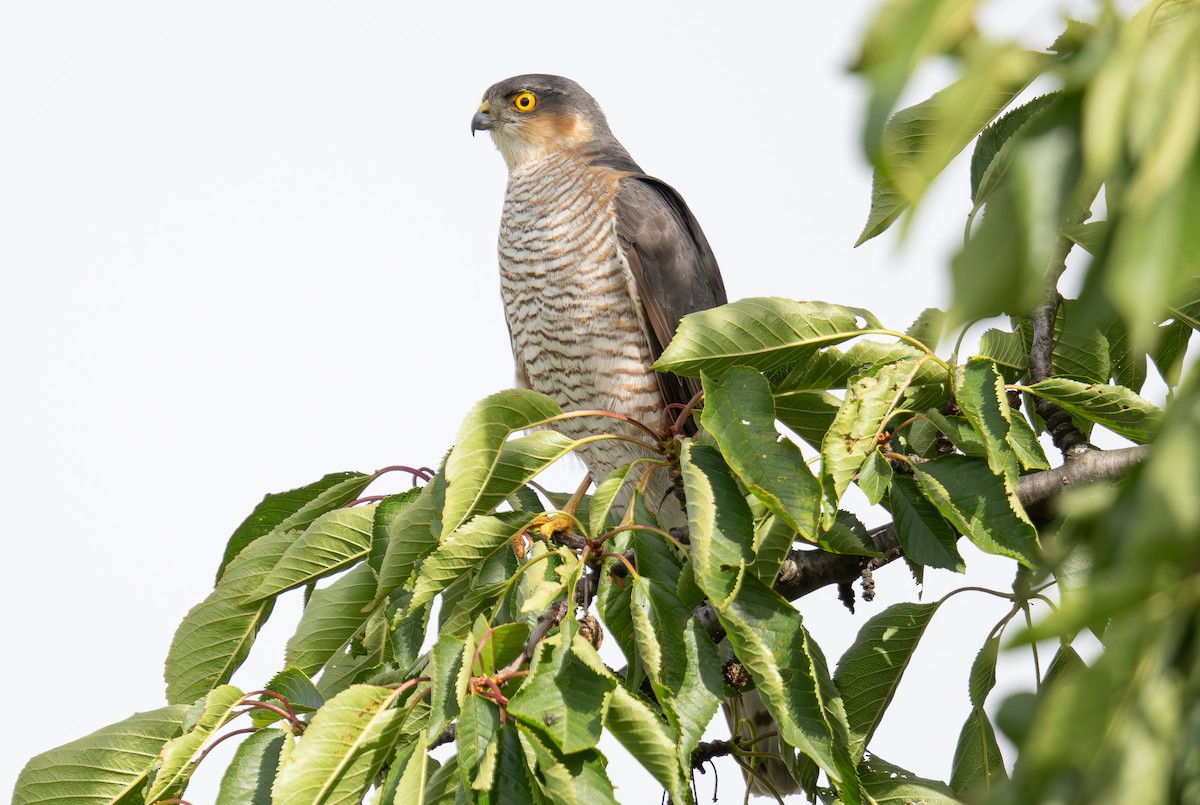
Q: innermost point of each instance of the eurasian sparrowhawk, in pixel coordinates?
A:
(598, 263)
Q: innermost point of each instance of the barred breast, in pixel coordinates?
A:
(576, 332)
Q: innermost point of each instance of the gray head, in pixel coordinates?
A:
(530, 116)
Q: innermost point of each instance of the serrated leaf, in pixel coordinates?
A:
(343, 748)
(295, 509)
(855, 432)
(562, 698)
(918, 142)
(175, 762)
(981, 396)
(719, 523)
(464, 550)
(995, 145)
(475, 736)
(808, 413)
(983, 671)
(924, 534)
(332, 616)
(407, 775)
(739, 412)
(833, 368)
(680, 660)
(333, 542)
(1116, 408)
(980, 505)
(111, 765)
(875, 477)
(475, 462)
(216, 634)
(651, 741)
(891, 785)
(870, 671)
(791, 676)
(446, 672)
(1024, 443)
(513, 780)
(607, 492)
(1007, 350)
(764, 333)
(385, 515)
(255, 763)
(579, 779)
(977, 763)
(928, 327)
(411, 534)
(502, 645)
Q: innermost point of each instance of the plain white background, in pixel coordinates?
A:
(246, 244)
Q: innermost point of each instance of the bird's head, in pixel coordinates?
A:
(531, 116)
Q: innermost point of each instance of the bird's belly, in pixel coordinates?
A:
(577, 337)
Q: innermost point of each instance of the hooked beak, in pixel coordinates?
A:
(482, 120)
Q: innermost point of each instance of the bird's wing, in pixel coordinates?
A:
(673, 267)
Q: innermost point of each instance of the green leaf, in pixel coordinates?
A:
(563, 697)
(874, 478)
(334, 541)
(513, 778)
(252, 770)
(870, 671)
(983, 671)
(216, 634)
(928, 327)
(808, 413)
(171, 772)
(977, 763)
(791, 676)
(607, 492)
(411, 534)
(579, 779)
(288, 511)
(981, 396)
(1116, 408)
(651, 741)
(1025, 444)
(719, 523)
(740, 414)
(111, 765)
(407, 775)
(832, 368)
(343, 748)
(924, 534)
(891, 785)
(1091, 236)
(680, 660)
(501, 646)
(330, 619)
(980, 505)
(1007, 350)
(475, 736)
(919, 142)
(464, 550)
(995, 146)
(475, 469)
(763, 333)
(870, 401)
(447, 681)
(386, 513)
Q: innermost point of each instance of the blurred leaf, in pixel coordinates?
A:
(923, 533)
(995, 146)
(928, 327)
(476, 468)
(763, 333)
(980, 505)
(1171, 347)
(870, 671)
(1114, 407)
(919, 142)
(740, 414)
(1092, 235)
(977, 763)
(110, 765)
(983, 671)
(891, 785)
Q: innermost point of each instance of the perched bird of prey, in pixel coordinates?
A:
(598, 262)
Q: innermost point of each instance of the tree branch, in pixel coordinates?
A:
(807, 570)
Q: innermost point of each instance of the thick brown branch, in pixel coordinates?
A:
(808, 570)
(1067, 438)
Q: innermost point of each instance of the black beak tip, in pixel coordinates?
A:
(480, 122)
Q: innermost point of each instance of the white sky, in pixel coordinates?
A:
(246, 244)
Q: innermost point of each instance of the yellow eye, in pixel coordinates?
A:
(525, 101)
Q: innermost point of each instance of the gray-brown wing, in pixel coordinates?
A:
(672, 265)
